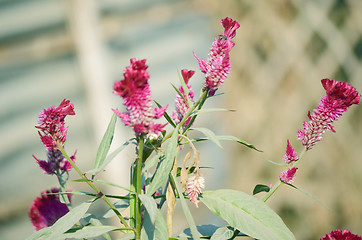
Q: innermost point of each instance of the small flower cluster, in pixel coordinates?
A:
(218, 65)
(195, 185)
(52, 130)
(136, 93)
(340, 96)
(339, 235)
(47, 209)
(290, 157)
(181, 105)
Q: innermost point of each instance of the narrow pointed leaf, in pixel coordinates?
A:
(248, 214)
(63, 224)
(261, 188)
(207, 110)
(165, 166)
(167, 117)
(88, 232)
(210, 135)
(105, 143)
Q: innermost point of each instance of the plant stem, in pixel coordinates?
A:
(99, 193)
(139, 186)
(63, 189)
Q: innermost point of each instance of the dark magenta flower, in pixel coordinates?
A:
(52, 125)
(338, 235)
(47, 209)
(136, 93)
(290, 154)
(340, 96)
(218, 65)
(288, 175)
(52, 129)
(180, 104)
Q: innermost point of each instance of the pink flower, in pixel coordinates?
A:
(290, 154)
(338, 235)
(340, 96)
(52, 130)
(52, 125)
(218, 65)
(181, 105)
(194, 186)
(56, 163)
(47, 209)
(135, 91)
(288, 175)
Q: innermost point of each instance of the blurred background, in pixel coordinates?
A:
(76, 49)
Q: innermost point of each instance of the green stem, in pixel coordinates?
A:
(139, 186)
(99, 193)
(278, 183)
(63, 189)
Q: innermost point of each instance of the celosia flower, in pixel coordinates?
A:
(338, 235)
(181, 105)
(340, 96)
(290, 154)
(218, 65)
(194, 186)
(52, 130)
(47, 209)
(51, 124)
(135, 91)
(288, 175)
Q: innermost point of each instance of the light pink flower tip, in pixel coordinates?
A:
(340, 96)
(136, 93)
(290, 154)
(181, 105)
(47, 209)
(288, 175)
(338, 235)
(195, 185)
(218, 65)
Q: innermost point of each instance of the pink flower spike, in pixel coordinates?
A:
(181, 105)
(136, 94)
(194, 186)
(47, 209)
(218, 65)
(290, 154)
(338, 235)
(288, 175)
(340, 96)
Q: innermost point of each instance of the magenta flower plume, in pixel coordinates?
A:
(338, 235)
(136, 93)
(52, 130)
(195, 185)
(47, 209)
(290, 154)
(288, 175)
(180, 104)
(218, 65)
(340, 96)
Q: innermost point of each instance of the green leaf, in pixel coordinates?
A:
(105, 143)
(246, 213)
(63, 224)
(166, 116)
(261, 188)
(309, 195)
(152, 161)
(165, 166)
(127, 236)
(120, 205)
(207, 110)
(154, 225)
(222, 233)
(210, 135)
(109, 158)
(88, 232)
